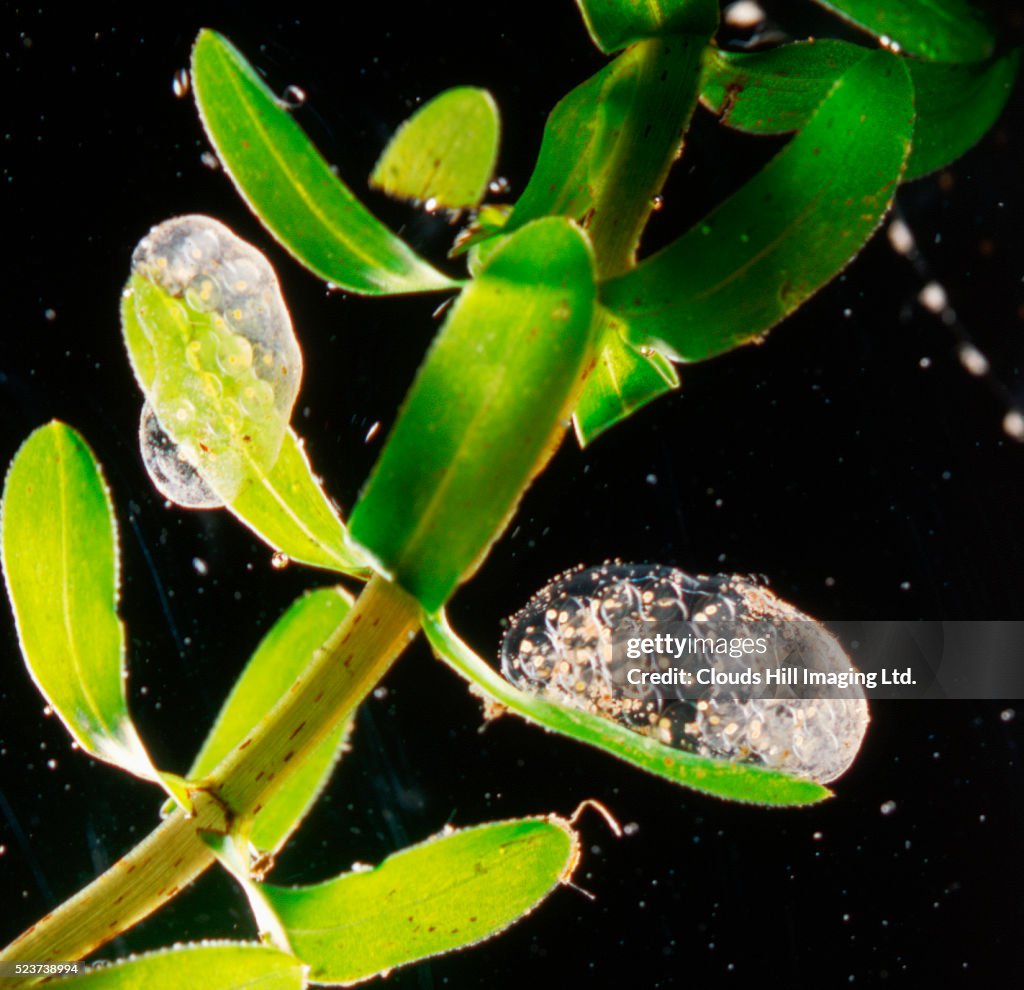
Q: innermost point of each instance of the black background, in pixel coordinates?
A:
(863, 485)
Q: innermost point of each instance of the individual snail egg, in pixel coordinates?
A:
(222, 341)
(568, 645)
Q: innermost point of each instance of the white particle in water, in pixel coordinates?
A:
(900, 237)
(210, 160)
(1007, 715)
(888, 807)
(933, 297)
(974, 362)
(925, 362)
(200, 566)
(744, 14)
(630, 828)
(1013, 424)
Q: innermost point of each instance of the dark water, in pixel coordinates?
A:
(861, 483)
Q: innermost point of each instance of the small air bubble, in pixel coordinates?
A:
(1007, 715)
(280, 561)
(630, 828)
(294, 97)
(431, 204)
(888, 807)
(50, 314)
(925, 362)
(657, 203)
(52, 764)
(651, 479)
(372, 432)
(181, 84)
(904, 586)
(498, 186)
(210, 161)
(200, 566)
(380, 693)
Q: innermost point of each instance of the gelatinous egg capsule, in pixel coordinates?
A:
(239, 364)
(565, 645)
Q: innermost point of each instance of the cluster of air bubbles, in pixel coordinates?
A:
(225, 366)
(564, 645)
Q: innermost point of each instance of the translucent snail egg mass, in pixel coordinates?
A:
(224, 369)
(716, 689)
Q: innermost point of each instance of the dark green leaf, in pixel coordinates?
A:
(777, 90)
(734, 781)
(279, 659)
(290, 187)
(623, 381)
(613, 24)
(482, 414)
(787, 232)
(956, 105)
(444, 154)
(942, 30)
(608, 146)
(60, 558)
(212, 966)
(451, 891)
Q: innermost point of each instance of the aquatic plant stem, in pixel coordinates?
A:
(381, 623)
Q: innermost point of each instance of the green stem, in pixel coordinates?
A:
(381, 623)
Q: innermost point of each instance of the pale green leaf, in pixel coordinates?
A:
(211, 965)
(452, 891)
(444, 154)
(61, 565)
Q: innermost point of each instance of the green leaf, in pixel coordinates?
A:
(290, 187)
(609, 144)
(279, 659)
(451, 891)
(483, 413)
(956, 105)
(212, 966)
(623, 381)
(445, 153)
(60, 559)
(287, 509)
(941, 30)
(787, 232)
(613, 24)
(733, 781)
(777, 90)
